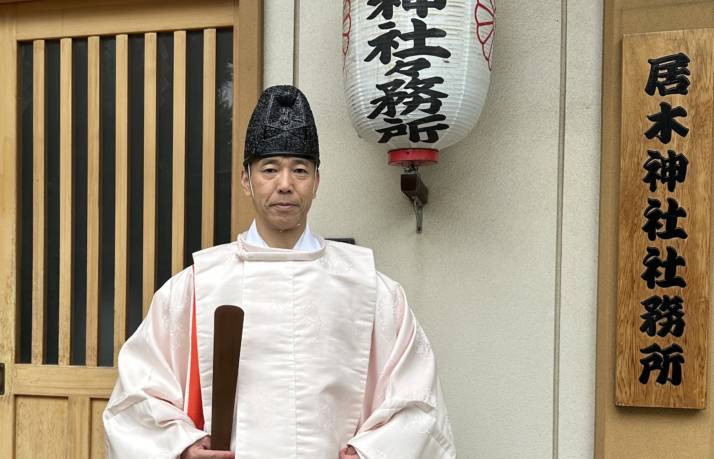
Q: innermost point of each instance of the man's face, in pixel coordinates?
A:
(283, 190)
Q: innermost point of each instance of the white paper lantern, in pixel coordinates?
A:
(416, 72)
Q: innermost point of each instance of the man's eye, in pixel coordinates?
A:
(300, 170)
(269, 170)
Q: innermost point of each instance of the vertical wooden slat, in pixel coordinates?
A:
(96, 407)
(149, 251)
(247, 86)
(122, 192)
(238, 136)
(179, 153)
(93, 214)
(209, 136)
(78, 433)
(38, 208)
(10, 205)
(66, 186)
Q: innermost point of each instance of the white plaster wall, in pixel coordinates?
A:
(581, 179)
(510, 319)
(278, 43)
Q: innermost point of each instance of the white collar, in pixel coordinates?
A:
(307, 242)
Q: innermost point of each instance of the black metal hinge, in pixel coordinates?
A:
(2, 379)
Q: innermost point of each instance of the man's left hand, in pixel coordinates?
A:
(201, 449)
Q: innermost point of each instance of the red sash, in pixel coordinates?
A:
(195, 402)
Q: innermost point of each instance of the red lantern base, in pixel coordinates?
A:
(407, 157)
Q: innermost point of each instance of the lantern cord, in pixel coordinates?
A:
(419, 213)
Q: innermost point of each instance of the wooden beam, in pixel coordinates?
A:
(64, 381)
(78, 427)
(247, 87)
(149, 252)
(66, 203)
(39, 237)
(179, 153)
(121, 206)
(93, 202)
(63, 19)
(209, 137)
(10, 205)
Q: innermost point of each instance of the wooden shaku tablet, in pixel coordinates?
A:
(227, 334)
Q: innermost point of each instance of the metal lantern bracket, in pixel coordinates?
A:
(412, 185)
(416, 191)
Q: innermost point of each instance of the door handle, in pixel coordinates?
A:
(2, 379)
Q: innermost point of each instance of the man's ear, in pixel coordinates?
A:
(317, 183)
(245, 182)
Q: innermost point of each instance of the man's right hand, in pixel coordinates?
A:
(202, 450)
(348, 453)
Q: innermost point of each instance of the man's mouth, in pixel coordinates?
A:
(284, 205)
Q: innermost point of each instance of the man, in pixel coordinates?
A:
(333, 363)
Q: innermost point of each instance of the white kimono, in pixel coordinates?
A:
(331, 355)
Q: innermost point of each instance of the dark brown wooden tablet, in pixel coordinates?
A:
(227, 334)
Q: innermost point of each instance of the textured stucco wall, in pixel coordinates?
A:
(503, 276)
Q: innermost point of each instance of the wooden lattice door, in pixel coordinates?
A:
(119, 143)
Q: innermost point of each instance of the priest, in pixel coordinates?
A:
(333, 362)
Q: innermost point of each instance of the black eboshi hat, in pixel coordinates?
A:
(281, 124)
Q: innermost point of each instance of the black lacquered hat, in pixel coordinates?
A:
(282, 124)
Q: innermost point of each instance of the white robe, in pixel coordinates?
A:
(331, 355)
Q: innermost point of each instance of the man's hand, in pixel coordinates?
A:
(202, 450)
(348, 453)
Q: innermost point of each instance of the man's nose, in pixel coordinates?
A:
(285, 182)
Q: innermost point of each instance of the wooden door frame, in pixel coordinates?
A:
(9, 237)
(622, 431)
(55, 19)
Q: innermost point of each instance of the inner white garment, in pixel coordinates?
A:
(307, 242)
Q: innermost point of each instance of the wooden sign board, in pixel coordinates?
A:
(664, 219)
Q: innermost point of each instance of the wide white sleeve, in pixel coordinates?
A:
(144, 416)
(404, 415)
